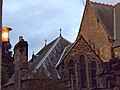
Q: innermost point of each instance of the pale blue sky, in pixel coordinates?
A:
(40, 19)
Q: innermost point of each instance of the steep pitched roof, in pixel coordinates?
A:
(66, 50)
(109, 15)
(48, 56)
(104, 13)
(41, 54)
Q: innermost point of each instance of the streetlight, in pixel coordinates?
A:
(5, 34)
(7, 60)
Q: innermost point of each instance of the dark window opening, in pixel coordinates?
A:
(83, 77)
(71, 68)
(93, 73)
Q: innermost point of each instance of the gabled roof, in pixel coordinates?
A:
(70, 47)
(41, 54)
(109, 17)
(104, 13)
(48, 56)
(47, 59)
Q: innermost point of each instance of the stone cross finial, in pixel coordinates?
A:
(60, 32)
(45, 42)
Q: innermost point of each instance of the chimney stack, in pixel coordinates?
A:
(20, 62)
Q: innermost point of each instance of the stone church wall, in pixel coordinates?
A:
(80, 48)
(37, 84)
(108, 77)
(94, 32)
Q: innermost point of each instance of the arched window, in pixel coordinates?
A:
(83, 77)
(71, 68)
(93, 73)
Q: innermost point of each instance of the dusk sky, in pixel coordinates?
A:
(37, 20)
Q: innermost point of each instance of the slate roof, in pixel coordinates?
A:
(109, 16)
(66, 50)
(48, 57)
(104, 13)
(55, 51)
(40, 54)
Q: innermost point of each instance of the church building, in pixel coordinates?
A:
(98, 41)
(90, 63)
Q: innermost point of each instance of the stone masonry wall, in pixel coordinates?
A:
(116, 51)
(80, 48)
(93, 31)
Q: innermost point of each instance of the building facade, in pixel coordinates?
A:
(96, 44)
(90, 63)
(39, 73)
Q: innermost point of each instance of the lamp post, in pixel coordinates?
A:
(7, 60)
(5, 34)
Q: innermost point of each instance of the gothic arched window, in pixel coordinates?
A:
(71, 68)
(93, 73)
(83, 77)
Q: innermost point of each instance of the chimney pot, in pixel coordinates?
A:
(21, 38)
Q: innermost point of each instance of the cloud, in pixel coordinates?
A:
(40, 19)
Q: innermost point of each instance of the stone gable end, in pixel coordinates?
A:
(94, 33)
(81, 47)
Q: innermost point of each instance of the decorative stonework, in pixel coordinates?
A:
(79, 48)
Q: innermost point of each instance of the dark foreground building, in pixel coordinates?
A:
(0, 40)
(90, 63)
(39, 73)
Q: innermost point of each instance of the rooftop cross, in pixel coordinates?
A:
(45, 42)
(60, 32)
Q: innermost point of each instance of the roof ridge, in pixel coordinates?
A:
(117, 4)
(105, 4)
(52, 41)
(65, 39)
(45, 56)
